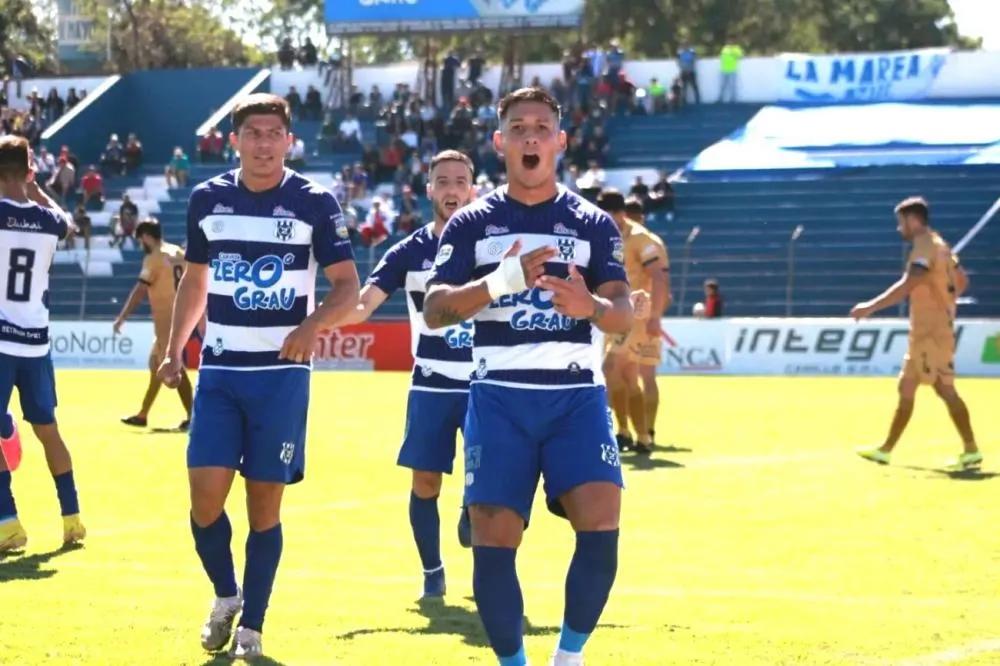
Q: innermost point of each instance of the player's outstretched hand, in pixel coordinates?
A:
(300, 343)
(641, 304)
(117, 326)
(861, 311)
(170, 372)
(533, 263)
(571, 297)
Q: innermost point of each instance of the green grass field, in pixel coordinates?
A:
(763, 541)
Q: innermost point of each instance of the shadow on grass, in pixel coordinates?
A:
(645, 463)
(17, 566)
(445, 620)
(672, 448)
(222, 657)
(958, 475)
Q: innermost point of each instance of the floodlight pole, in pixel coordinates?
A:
(790, 287)
(684, 267)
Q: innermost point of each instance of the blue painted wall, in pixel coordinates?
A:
(164, 107)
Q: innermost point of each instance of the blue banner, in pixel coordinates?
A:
(859, 77)
(375, 16)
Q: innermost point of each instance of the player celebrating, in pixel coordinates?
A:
(436, 407)
(645, 264)
(255, 237)
(31, 226)
(933, 281)
(651, 355)
(162, 268)
(525, 262)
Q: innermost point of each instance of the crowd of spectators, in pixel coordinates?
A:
(37, 112)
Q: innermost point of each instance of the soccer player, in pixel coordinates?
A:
(540, 271)
(651, 355)
(439, 393)
(645, 261)
(162, 268)
(31, 224)
(933, 281)
(255, 237)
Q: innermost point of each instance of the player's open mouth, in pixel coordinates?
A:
(530, 161)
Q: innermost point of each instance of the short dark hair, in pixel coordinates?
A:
(452, 156)
(914, 206)
(534, 94)
(634, 207)
(611, 200)
(149, 227)
(261, 104)
(14, 158)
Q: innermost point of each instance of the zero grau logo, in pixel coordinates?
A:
(538, 317)
(459, 338)
(257, 281)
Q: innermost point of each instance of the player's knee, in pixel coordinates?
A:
(426, 484)
(947, 393)
(907, 390)
(495, 526)
(48, 435)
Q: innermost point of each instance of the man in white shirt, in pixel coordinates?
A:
(350, 129)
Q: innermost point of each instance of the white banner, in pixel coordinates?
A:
(859, 77)
(814, 347)
(92, 344)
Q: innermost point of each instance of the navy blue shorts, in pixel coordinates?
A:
(512, 436)
(36, 385)
(432, 423)
(253, 421)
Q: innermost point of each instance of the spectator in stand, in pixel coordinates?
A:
(409, 211)
(210, 146)
(84, 226)
(359, 182)
(54, 106)
(657, 96)
(486, 118)
(676, 100)
(592, 181)
(71, 98)
(448, 69)
(177, 169)
(63, 180)
(339, 188)
(639, 189)
(661, 198)
(476, 64)
(576, 154)
(128, 219)
(92, 186)
(350, 132)
(313, 106)
(377, 226)
(295, 157)
(355, 100)
(570, 66)
(375, 99)
(560, 92)
(418, 172)
(369, 159)
(584, 86)
(45, 165)
(729, 65)
(410, 139)
(308, 55)
(687, 60)
(598, 61)
(286, 54)
(294, 102)
(713, 300)
(484, 185)
(570, 175)
(460, 122)
(594, 154)
(113, 157)
(390, 157)
(616, 60)
(133, 154)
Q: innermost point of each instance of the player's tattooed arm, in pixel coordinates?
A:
(613, 307)
(447, 305)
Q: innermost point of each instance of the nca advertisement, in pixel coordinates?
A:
(814, 347)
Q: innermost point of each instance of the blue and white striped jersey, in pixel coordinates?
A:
(520, 340)
(28, 237)
(442, 357)
(262, 249)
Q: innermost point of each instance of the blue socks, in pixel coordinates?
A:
(588, 584)
(66, 489)
(426, 524)
(499, 600)
(212, 544)
(7, 507)
(263, 555)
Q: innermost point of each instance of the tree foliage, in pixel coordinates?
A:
(22, 34)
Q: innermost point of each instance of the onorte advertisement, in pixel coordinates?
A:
(747, 346)
(894, 76)
(379, 345)
(374, 16)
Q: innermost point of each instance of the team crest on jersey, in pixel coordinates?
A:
(427, 265)
(562, 229)
(284, 229)
(618, 249)
(481, 369)
(221, 209)
(281, 211)
(494, 230)
(609, 454)
(426, 370)
(217, 347)
(218, 226)
(287, 452)
(495, 248)
(574, 368)
(340, 225)
(567, 249)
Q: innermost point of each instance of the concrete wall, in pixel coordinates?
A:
(43, 85)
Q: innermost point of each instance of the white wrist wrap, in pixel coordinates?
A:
(508, 278)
